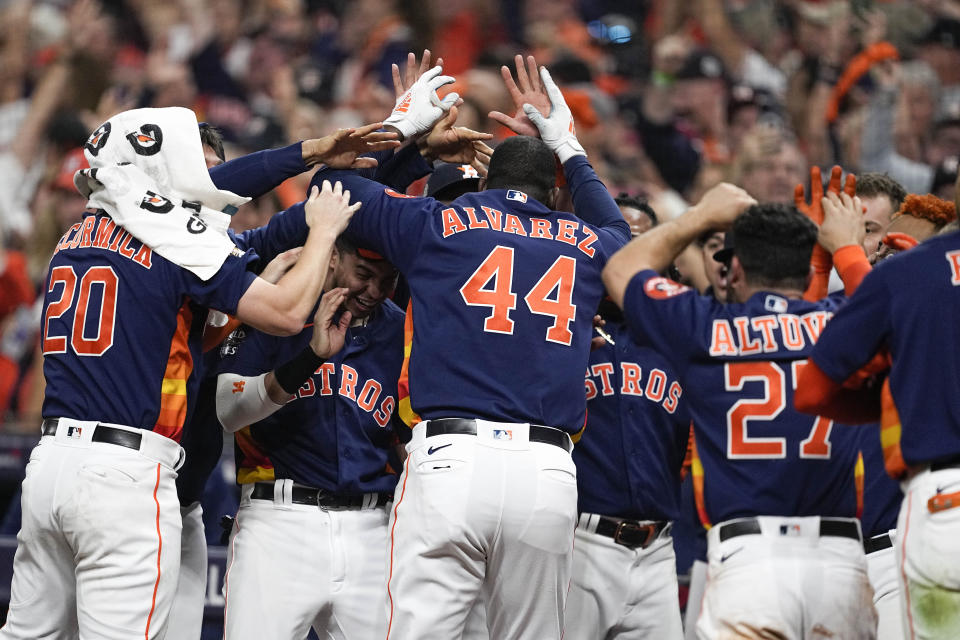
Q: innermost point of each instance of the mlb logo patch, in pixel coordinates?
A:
(74, 432)
(518, 196)
(775, 304)
(790, 530)
(502, 434)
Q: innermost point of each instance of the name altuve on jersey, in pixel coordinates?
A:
(108, 236)
(756, 335)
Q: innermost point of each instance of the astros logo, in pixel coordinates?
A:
(663, 288)
(98, 139)
(147, 141)
(468, 171)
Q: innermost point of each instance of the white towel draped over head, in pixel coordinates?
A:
(148, 173)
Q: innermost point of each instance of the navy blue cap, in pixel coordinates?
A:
(447, 175)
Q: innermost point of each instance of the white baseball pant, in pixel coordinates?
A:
(882, 570)
(623, 593)
(786, 582)
(98, 551)
(291, 567)
(491, 516)
(928, 557)
(186, 616)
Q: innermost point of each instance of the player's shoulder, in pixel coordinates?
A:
(390, 313)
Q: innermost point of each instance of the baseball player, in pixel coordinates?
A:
(624, 581)
(919, 215)
(503, 291)
(251, 176)
(101, 524)
(785, 551)
(309, 542)
(891, 308)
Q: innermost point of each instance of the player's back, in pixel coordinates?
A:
(504, 291)
(738, 364)
(119, 336)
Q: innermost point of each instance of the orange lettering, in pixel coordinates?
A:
(631, 379)
(238, 386)
(369, 395)
(586, 244)
(382, 415)
(721, 342)
(126, 250)
(765, 325)
(746, 347)
(451, 222)
(565, 231)
(495, 217)
(513, 225)
(540, 228)
(88, 225)
(656, 385)
(325, 370)
(790, 332)
(104, 231)
(673, 397)
(604, 370)
(144, 254)
(348, 382)
(953, 257)
(474, 222)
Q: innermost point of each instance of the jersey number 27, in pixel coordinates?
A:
(491, 285)
(79, 340)
(740, 446)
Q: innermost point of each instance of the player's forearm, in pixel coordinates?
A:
(591, 200)
(299, 288)
(656, 249)
(257, 173)
(243, 400)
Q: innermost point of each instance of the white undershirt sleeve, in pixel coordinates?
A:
(242, 400)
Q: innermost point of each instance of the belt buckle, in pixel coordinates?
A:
(627, 532)
(327, 501)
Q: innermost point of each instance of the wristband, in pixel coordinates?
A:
(291, 375)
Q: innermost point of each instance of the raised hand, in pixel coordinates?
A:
(329, 207)
(723, 204)
(557, 128)
(419, 108)
(456, 144)
(341, 150)
(329, 336)
(814, 209)
(842, 221)
(526, 90)
(280, 265)
(411, 72)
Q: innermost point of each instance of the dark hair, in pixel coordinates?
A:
(525, 164)
(213, 138)
(773, 243)
(636, 202)
(870, 185)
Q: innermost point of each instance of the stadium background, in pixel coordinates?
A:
(670, 97)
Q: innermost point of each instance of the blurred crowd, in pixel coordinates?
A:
(670, 97)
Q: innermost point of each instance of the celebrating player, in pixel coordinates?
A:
(101, 523)
(503, 292)
(309, 542)
(785, 552)
(891, 310)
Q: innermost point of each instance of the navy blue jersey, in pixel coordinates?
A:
(337, 431)
(503, 292)
(908, 304)
(738, 364)
(881, 493)
(630, 455)
(121, 332)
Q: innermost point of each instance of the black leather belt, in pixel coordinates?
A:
(468, 427)
(101, 433)
(630, 533)
(828, 527)
(945, 463)
(321, 498)
(877, 543)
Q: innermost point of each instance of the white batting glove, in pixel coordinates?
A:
(420, 107)
(557, 129)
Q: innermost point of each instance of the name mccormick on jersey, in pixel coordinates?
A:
(83, 236)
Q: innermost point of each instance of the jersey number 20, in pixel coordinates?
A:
(82, 345)
(740, 446)
(497, 267)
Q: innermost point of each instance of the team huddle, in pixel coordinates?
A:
(466, 415)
